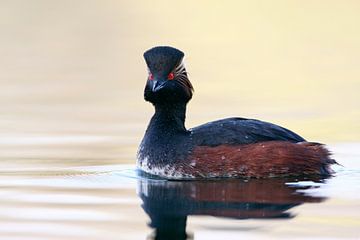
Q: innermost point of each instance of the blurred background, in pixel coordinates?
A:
(74, 69)
(71, 104)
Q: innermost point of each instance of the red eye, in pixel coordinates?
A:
(171, 76)
(151, 77)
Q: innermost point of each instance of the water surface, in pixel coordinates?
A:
(45, 200)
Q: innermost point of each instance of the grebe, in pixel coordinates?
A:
(232, 147)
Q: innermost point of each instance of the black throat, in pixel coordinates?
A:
(166, 138)
(169, 118)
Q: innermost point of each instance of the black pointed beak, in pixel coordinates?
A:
(157, 85)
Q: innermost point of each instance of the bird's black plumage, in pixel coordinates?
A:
(161, 60)
(240, 131)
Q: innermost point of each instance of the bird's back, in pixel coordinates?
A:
(233, 131)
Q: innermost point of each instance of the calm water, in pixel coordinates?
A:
(72, 115)
(48, 200)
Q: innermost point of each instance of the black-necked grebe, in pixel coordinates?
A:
(232, 147)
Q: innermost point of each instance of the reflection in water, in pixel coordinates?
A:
(169, 203)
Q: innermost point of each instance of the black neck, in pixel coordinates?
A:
(166, 136)
(169, 118)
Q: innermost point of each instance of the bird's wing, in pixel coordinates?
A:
(240, 131)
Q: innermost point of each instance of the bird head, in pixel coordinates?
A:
(167, 80)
